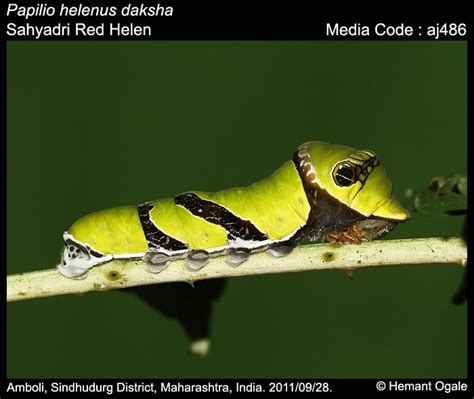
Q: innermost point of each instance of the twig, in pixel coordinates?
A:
(121, 274)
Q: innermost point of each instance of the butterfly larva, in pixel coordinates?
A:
(326, 192)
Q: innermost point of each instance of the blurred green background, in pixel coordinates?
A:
(93, 125)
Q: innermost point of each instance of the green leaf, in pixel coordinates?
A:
(443, 196)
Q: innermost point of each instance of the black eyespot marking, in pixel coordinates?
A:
(344, 174)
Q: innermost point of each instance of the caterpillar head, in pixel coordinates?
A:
(355, 178)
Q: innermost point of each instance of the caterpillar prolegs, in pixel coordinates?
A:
(326, 192)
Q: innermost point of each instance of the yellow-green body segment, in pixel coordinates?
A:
(277, 206)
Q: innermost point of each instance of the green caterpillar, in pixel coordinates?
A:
(326, 192)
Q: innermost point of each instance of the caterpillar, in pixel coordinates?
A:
(326, 192)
